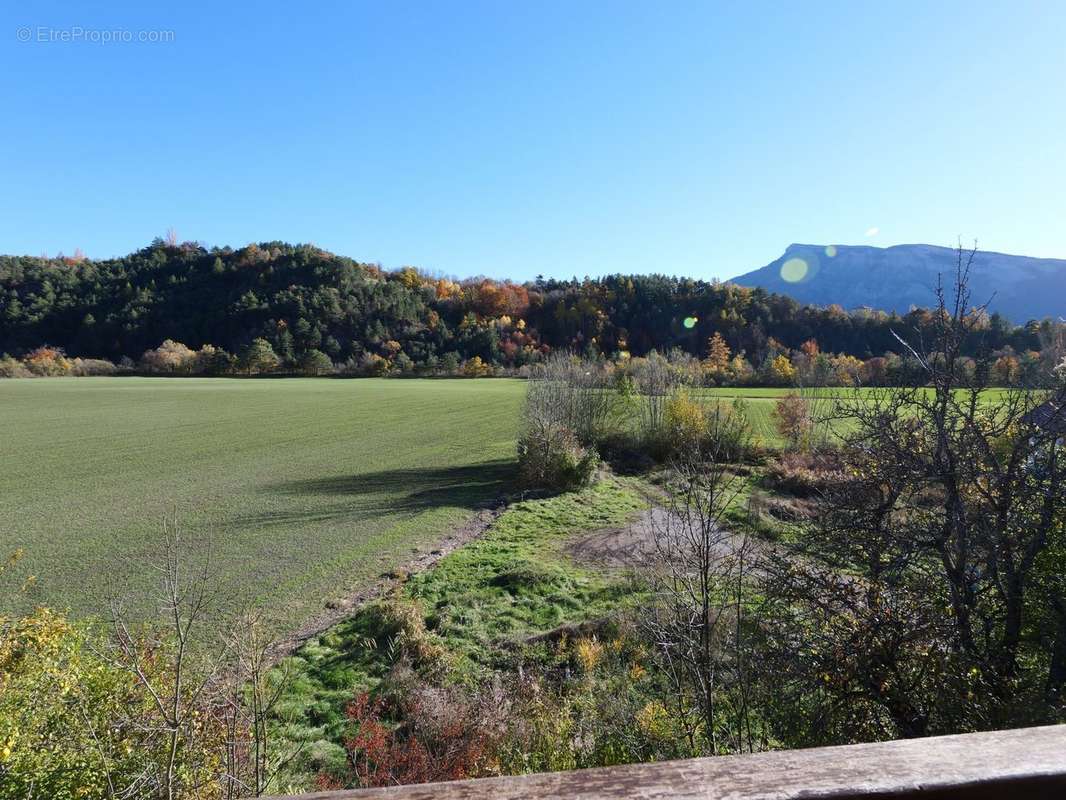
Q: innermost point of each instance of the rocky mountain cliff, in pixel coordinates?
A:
(895, 278)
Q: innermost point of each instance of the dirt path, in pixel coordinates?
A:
(338, 611)
(633, 545)
(628, 545)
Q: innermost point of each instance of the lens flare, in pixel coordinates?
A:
(794, 270)
(831, 251)
(690, 322)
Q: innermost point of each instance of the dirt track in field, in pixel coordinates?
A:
(338, 611)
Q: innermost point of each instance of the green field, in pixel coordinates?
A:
(759, 406)
(307, 488)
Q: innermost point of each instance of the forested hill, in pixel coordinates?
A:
(896, 278)
(302, 299)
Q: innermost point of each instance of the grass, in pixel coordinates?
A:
(307, 489)
(759, 405)
(513, 582)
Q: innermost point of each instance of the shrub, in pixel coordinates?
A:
(47, 362)
(684, 423)
(450, 363)
(655, 379)
(213, 360)
(447, 737)
(373, 365)
(12, 368)
(580, 395)
(75, 725)
(729, 432)
(551, 458)
(401, 626)
(525, 575)
(404, 364)
(792, 418)
(87, 367)
(804, 474)
(476, 368)
(169, 358)
(780, 371)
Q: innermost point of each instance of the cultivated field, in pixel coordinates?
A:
(759, 406)
(307, 488)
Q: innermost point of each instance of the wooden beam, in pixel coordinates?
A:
(1014, 764)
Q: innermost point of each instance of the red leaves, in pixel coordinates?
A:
(440, 741)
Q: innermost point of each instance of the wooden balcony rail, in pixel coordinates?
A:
(1007, 765)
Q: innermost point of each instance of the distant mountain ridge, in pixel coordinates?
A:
(895, 278)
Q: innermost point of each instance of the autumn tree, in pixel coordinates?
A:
(169, 357)
(792, 418)
(718, 354)
(780, 370)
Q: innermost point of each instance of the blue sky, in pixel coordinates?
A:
(514, 139)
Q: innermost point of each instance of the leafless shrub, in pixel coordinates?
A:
(698, 577)
(656, 380)
(574, 393)
(253, 686)
(187, 682)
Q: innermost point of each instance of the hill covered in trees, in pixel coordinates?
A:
(896, 278)
(307, 305)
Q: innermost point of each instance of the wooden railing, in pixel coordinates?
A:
(1007, 765)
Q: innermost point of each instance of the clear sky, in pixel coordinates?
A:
(520, 138)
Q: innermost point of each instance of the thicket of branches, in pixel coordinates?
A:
(929, 599)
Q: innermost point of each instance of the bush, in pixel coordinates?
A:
(579, 395)
(47, 362)
(401, 626)
(684, 423)
(523, 576)
(259, 357)
(446, 736)
(170, 357)
(476, 368)
(804, 474)
(215, 361)
(12, 368)
(372, 365)
(74, 725)
(792, 417)
(551, 458)
(87, 367)
(729, 432)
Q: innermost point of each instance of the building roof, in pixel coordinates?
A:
(1049, 416)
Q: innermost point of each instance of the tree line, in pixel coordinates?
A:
(298, 308)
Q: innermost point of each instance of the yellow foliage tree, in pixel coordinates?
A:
(476, 368)
(782, 370)
(718, 354)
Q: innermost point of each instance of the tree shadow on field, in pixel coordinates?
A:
(363, 496)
